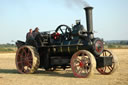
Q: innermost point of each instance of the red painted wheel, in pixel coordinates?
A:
(108, 69)
(27, 59)
(82, 63)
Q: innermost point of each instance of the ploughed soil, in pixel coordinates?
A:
(10, 76)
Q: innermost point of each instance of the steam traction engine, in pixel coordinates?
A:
(66, 47)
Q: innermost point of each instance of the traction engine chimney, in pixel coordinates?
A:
(89, 21)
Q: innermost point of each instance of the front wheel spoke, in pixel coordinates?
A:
(110, 55)
(104, 70)
(110, 68)
(105, 53)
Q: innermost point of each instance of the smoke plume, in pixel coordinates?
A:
(79, 3)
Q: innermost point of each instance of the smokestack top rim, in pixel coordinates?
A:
(89, 7)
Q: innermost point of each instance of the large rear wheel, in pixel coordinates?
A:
(83, 63)
(27, 59)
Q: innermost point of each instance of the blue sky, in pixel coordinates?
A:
(110, 17)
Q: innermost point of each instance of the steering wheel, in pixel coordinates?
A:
(64, 30)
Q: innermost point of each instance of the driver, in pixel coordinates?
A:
(30, 38)
(35, 32)
(29, 35)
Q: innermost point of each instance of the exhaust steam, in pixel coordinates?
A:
(79, 3)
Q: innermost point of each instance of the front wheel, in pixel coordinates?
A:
(83, 63)
(110, 68)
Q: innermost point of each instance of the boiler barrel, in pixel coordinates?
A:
(67, 50)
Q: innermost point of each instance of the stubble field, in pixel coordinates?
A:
(10, 76)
